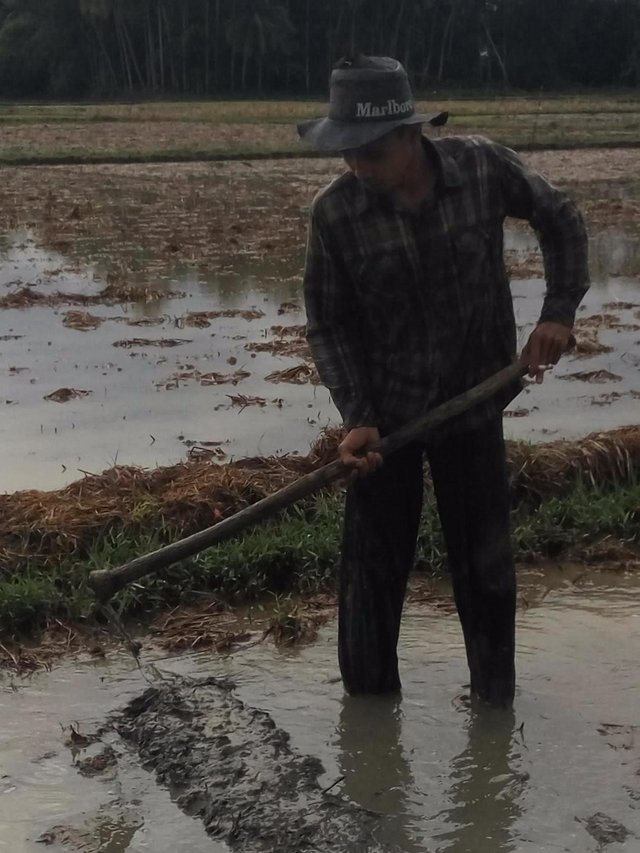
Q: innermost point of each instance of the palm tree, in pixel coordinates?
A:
(258, 29)
(41, 48)
(97, 13)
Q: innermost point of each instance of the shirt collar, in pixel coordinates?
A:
(449, 172)
(446, 167)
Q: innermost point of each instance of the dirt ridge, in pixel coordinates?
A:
(232, 767)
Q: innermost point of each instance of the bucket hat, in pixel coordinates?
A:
(369, 96)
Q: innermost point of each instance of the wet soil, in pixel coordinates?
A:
(151, 313)
(422, 772)
(198, 738)
(117, 139)
(216, 366)
(140, 306)
(174, 244)
(146, 219)
(211, 624)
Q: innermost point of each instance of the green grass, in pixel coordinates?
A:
(96, 157)
(291, 110)
(298, 553)
(573, 523)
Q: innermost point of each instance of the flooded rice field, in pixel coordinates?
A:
(181, 372)
(152, 314)
(149, 313)
(96, 370)
(427, 773)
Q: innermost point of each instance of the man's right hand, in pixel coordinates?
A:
(355, 451)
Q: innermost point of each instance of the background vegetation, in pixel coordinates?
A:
(113, 48)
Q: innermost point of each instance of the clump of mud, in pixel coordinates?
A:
(232, 767)
(606, 830)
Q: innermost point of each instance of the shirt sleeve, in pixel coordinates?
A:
(560, 230)
(333, 330)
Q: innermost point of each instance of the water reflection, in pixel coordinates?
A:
(139, 413)
(613, 253)
(486, 789)
(377, 775)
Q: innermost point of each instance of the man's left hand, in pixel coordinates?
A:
(546, 344)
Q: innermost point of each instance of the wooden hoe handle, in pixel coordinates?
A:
(106, 582)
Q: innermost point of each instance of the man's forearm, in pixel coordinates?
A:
(341, 370)
(565, 251)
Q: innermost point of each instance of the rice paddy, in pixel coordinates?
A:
(151, 324)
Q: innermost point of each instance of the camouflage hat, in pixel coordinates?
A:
(369, 97)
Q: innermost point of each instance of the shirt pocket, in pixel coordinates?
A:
(385, 279)
(387, 291)
(471, 249)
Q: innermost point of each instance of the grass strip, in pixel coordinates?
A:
(295, 109)
(103, 158)
(297, 553)
(558, 142)
(211, 131)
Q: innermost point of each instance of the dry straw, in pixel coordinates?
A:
(192, 495)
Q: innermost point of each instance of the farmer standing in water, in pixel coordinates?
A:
(408, 304)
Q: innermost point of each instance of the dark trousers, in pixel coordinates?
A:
(382, 516)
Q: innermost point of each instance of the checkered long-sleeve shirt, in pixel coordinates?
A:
(407, 309)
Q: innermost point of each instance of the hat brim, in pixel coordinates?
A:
(326, 134)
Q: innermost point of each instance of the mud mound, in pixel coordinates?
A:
(230, 765)
(185, 497)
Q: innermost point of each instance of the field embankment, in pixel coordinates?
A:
(576, 501)
(237, 130)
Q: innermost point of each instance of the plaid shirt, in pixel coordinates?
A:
(407, 309)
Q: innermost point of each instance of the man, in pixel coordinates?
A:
(408, 305)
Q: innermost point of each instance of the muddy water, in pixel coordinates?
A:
(143, 408)
(136, 411)
(568, 407)
(561, 774)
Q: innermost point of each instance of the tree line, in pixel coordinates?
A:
(133, 48)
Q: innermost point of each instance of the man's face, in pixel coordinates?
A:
(382, 165)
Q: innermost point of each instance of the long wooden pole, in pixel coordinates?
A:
(106, 582)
